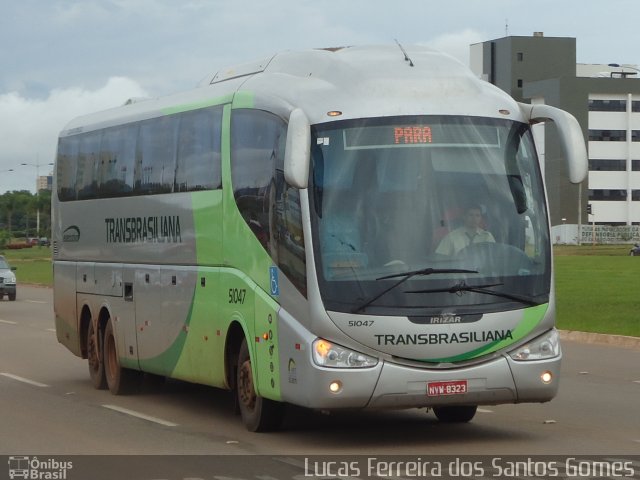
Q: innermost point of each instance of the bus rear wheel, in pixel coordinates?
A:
(119, 380)
(258, 414)
(455, 414)
(95, 358)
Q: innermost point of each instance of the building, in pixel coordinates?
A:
(44, 182)
(605, 99)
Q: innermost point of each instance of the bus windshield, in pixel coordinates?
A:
(418, 215)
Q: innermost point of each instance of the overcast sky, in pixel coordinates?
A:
(63, 58)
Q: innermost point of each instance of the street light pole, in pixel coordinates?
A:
(37, 165)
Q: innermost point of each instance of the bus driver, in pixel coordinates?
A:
(469, 233)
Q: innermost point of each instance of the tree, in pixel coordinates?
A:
(17, 206)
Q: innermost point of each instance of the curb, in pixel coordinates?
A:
(600, 339)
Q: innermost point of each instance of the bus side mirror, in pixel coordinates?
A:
(570, 134)
(298, 148)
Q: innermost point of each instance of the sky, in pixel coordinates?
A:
(63, 58)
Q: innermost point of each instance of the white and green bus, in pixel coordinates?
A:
(276, 232)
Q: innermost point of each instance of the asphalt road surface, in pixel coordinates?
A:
(49, 407)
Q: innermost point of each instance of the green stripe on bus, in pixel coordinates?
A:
(243, 100)
(196, 105)
(531, 317)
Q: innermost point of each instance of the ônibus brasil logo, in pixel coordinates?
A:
(34, 468)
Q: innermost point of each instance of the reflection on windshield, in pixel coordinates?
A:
(453, 193)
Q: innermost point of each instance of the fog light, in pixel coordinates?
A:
(335, 386)
(546, 377)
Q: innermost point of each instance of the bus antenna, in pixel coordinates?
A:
(406, 57)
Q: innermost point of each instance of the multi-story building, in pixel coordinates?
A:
(605, 99)
(44, 182)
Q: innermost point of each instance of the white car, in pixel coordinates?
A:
(7, 280)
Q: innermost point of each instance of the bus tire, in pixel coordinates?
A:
(95, 358)
(258, 414)
(455, 414)
(119, 380)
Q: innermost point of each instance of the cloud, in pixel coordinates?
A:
(30, 126)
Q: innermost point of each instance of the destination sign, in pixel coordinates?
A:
(412, 134)
(417, 136)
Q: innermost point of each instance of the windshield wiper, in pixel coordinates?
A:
(406, 276)
(462, 287)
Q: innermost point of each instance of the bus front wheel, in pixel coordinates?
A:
(258, 414)
(455, 414)
(119, 380)
(95, 358)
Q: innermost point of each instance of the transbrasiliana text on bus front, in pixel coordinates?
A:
(159, 229)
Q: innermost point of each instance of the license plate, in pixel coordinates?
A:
(453, 387)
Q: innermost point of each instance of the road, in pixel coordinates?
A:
(48, 407)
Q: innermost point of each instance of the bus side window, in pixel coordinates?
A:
(117, 158)
(156, 155)
(66, 167)
(269, 206)
(89, 152)
(199, 151)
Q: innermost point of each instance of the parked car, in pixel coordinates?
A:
(7, 280)
(635, 250)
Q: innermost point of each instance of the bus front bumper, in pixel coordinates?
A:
(501, 380)
(390, 385)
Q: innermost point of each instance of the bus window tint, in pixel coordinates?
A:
(66, 167)
(156, 162)
(270, 207)
(117, 160)
(254, 147)
(199, 151)
(175, 153)
(87, 186)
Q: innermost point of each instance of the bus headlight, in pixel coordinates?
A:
(541, 348)
(327, 354)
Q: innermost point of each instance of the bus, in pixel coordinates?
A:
(276, 232)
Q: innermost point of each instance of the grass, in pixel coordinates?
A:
(33, 265)
(597, 287)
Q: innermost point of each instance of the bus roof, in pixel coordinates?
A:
(357, 81)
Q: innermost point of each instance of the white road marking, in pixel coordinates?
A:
(51, 330)
(484, 410)
(8, 322)
(133, 413)
(23, 380)
(35, 301)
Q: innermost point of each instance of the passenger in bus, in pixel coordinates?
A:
(469, 233)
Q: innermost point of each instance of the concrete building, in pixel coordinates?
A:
(44, 182)
(605, 99)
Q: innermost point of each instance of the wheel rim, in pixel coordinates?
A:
(246, 392)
